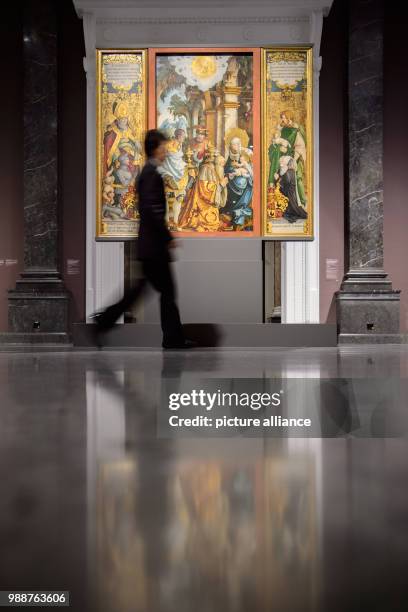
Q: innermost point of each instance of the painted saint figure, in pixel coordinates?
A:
(288, 187)
(240, 185)
(201, 211)
(174, 172)
(290, 139)
(121, 161)
(199, 144)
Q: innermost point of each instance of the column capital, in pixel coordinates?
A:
(89, 25)
(316, 28)
(90, 71)
(317, 66)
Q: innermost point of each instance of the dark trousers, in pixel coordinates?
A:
(159, 275)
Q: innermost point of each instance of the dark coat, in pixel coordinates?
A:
(154, 236)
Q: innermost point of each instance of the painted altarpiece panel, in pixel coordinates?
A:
(287, 147)
(207, 102)
(121, 125)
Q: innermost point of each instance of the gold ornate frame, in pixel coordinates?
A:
(307, 233)
(99, 233)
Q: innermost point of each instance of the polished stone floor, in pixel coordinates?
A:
(94, 502)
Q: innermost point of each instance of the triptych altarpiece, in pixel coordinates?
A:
(239, 151)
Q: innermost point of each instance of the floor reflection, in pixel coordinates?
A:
(243, 533)
(96, 503)
(174, 529)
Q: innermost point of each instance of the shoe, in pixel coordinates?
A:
(95, 334)
(97, 329)
(96, 317)
(185, 345)
(102, 321)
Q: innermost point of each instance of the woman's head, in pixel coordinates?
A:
(155, 144)
(287, 117)
(235, 145)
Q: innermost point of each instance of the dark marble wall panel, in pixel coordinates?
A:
(40, 135)
(366, 134)
(70, 190)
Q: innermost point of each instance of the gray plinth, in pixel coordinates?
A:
(368, 309)
(38, 305)
(224, 335)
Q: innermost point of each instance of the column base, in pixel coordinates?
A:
(38, 305)
(368, 309)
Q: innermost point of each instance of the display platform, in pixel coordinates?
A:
(211, 335)
(34, 338)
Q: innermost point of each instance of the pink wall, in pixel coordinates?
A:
(11, 158)
(396, 154)
(72, 155)
(333, 81)
(333, 108)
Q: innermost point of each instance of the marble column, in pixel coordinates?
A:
(38, 306)
(367, 306)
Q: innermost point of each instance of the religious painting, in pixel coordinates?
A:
(290, 533)
(119, 552)
(287, 148)
(121, 124)
(206, 102)
(213, 506)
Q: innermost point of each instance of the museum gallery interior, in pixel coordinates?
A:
(284, 187)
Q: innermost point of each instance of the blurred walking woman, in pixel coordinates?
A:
(154, 244)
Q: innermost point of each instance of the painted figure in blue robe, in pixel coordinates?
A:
(239, 188)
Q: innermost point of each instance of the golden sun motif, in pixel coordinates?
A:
(203, 66)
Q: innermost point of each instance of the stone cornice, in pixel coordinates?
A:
(198, 20)
(214, 9)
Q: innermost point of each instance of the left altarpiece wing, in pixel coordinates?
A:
(121, 125)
